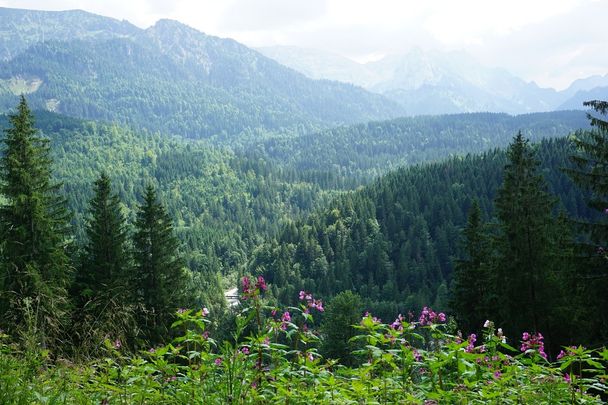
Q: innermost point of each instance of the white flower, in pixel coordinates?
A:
(487, 324)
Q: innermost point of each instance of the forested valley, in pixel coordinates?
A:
(183, 220)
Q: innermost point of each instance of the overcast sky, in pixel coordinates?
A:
(552, 42)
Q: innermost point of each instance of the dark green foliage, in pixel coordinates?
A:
(35, 268)
(341, 314)
(346, 157)
(103, 282)
(525, 244)
(223, 204)
(159, 277)
(590, 173)
(395, 242)
(106, 261)
(472, 296)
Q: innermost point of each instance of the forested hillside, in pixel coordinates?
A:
(21, 28)
(174, 79)
(223, 205)
(226, 204)
(350, 156)
(396, 241)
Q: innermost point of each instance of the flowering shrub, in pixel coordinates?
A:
(273, 357)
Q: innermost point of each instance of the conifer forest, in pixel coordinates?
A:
(185, 219)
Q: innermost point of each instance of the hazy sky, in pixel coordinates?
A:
(549, 41)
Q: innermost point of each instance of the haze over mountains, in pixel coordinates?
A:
(175, 79)
(433, 82)
(168, 77)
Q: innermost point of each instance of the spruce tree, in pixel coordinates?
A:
(34, 265)
(106, 259)
(102, 283)
(159, 277)
(341, 314)
(471, 296)
(524, 242)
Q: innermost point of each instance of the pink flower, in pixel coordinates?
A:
(285, 318)
(245, 350)
(310, 302)
(117, 344)
(205, 312)
(561, 354)
(567, 378)
(428, 317)
(246, 283)
(497, 374)
(246, 287)
(218, 361)
(533, 342)
(261, 284)
(397, 324)
(471, 340)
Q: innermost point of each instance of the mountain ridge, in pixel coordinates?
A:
(434, 82)
(173, 78)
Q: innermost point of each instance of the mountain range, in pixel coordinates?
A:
(169, 77)
(433, 82)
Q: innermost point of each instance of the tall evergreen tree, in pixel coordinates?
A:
(159, 277)
(106, 259)
(102, 283)
(342, 313)
(471, 296)
(524, 242)
(34, 265)
(590, 172)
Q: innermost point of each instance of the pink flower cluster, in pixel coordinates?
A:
(311, 302)
(429, 317)
(251, 289)
(398, 323)
(285, 318)
(533, 342)
(471, 343)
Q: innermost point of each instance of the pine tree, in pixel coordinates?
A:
(471, 297)
(524, 242)
(159, 277)
(102, 283)
(35, 267)
(590, 173)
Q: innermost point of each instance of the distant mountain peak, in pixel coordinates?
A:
(170, 24)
